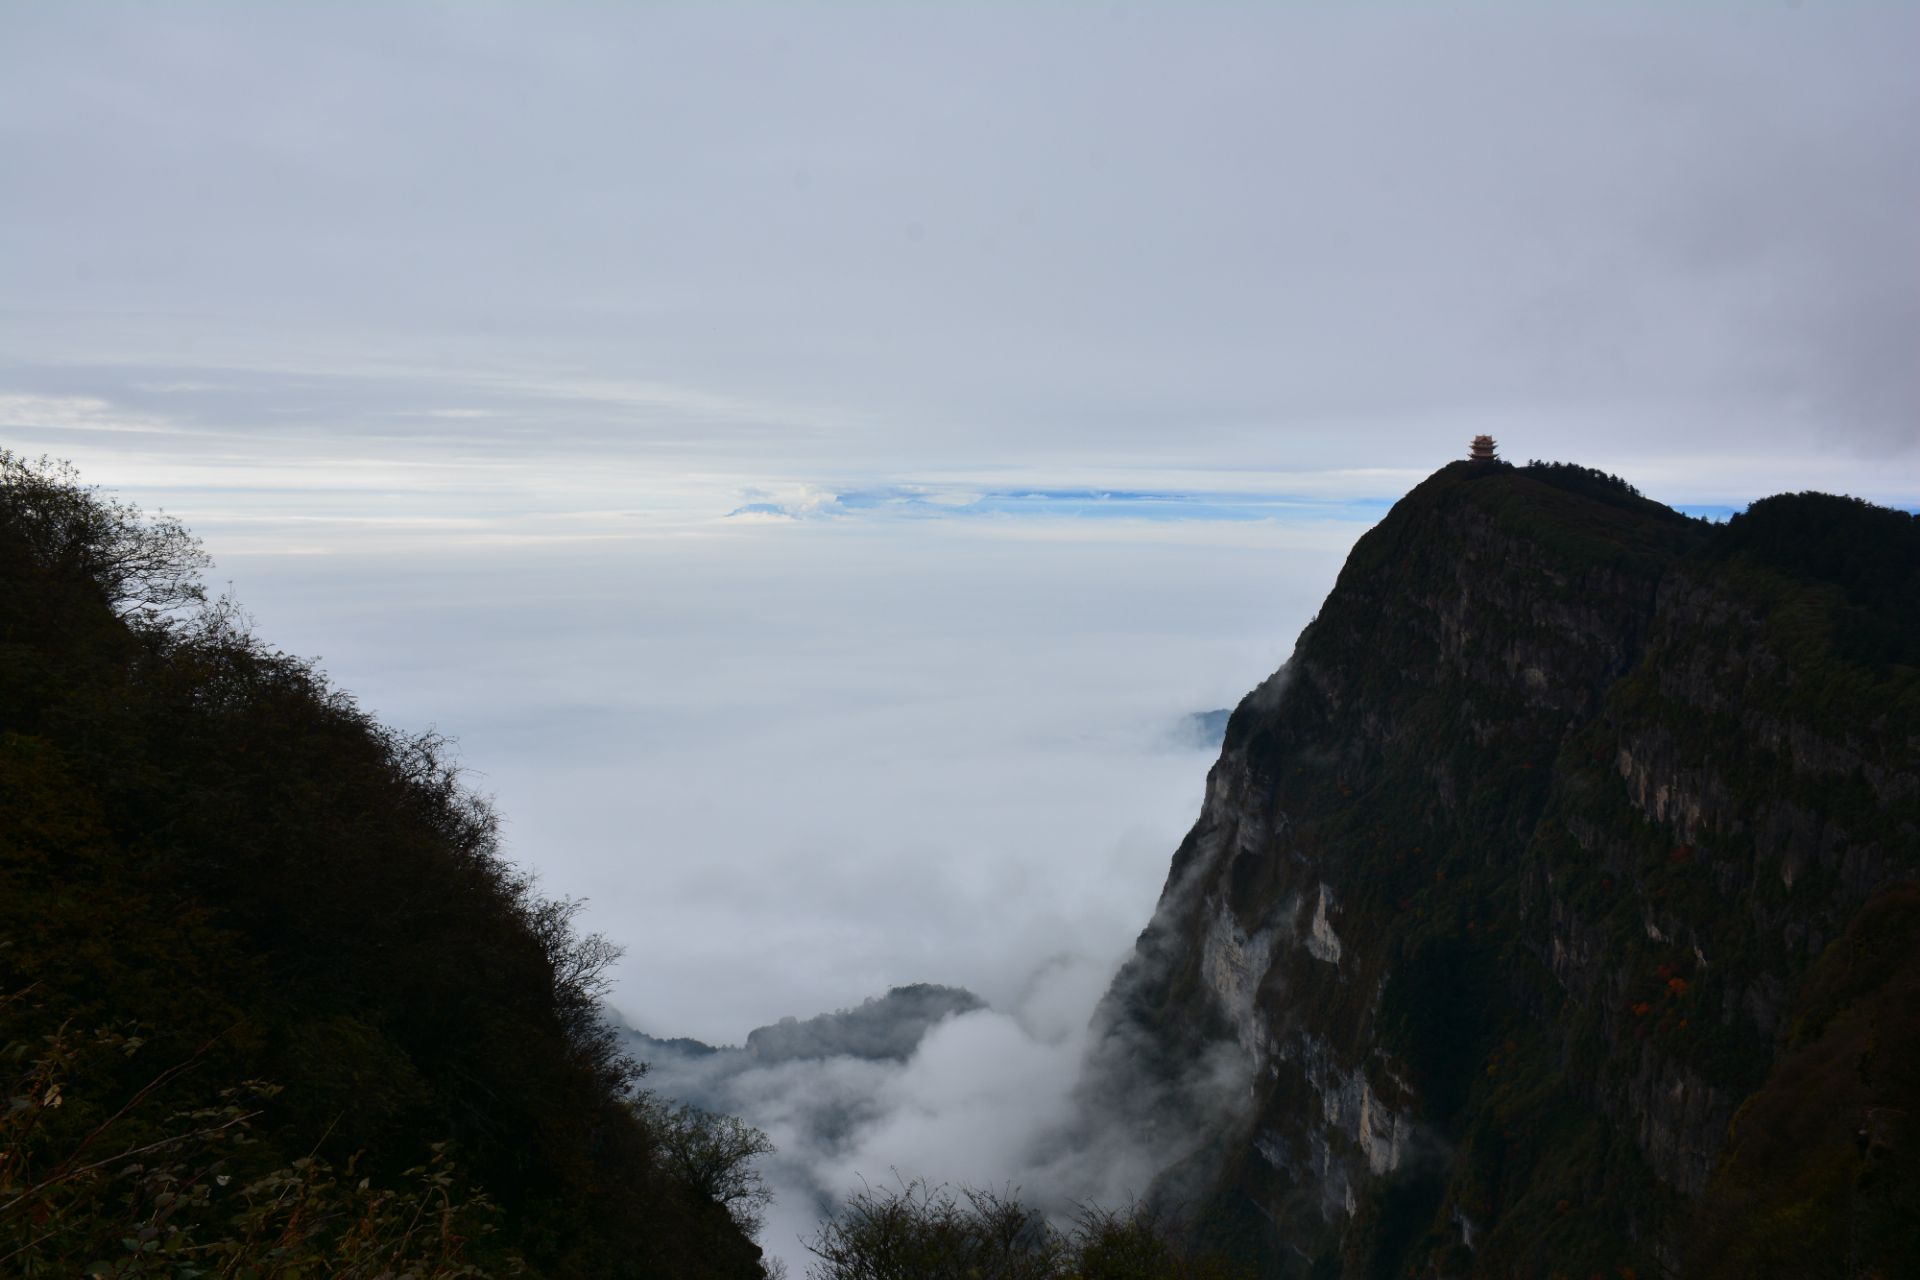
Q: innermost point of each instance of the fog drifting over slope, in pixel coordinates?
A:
(996, 1099)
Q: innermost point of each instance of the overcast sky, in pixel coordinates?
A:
(812, 455)
(868, 242)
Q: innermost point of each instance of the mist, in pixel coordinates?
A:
(817, 461)
(987, 1098)
(790, 766)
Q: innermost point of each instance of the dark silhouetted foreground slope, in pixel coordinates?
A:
(270, 991)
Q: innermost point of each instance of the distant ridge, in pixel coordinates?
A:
(888, 1027)
(1203, 730)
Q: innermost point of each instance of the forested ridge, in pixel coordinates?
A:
(272, 1000)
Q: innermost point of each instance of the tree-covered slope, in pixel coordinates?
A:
(1515, 887)
(272, 1001)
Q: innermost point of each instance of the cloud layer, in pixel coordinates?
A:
(847, 244)
(814, 456)
(995, 1099)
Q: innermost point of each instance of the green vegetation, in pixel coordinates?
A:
(713, 1157)
(168, 1205)
(275, 1004)
(1588, 482)
(1821, 1172)
(921, 1232)
(1872, 554)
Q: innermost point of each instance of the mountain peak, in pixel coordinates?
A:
(1506, 886)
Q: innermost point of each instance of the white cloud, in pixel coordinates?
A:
(475, 442)
(27, 413)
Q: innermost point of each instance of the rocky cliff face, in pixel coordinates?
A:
(1510, 888)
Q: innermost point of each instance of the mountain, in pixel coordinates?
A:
(880, 1029)
(1203, 729)
(883, 1028)
(1553, 909)
(272, 1000)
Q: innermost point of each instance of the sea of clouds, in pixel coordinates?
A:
(791, 767)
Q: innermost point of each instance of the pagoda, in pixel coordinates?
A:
(1481, 450)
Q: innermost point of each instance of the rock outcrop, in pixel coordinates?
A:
(1510, 889)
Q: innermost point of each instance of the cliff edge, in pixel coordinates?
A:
(1553, 909)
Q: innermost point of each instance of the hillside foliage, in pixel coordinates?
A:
(922, 1231)
(273, 1002)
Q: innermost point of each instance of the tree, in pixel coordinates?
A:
(712, 1156)
(147, 566)
(579, 965)
(206, 846)
(920, 1231)
(126, 1196)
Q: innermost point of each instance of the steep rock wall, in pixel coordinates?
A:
(1504, 885)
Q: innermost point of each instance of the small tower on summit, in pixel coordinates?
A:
(1481, 450)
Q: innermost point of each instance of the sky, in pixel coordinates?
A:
(812, 457)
